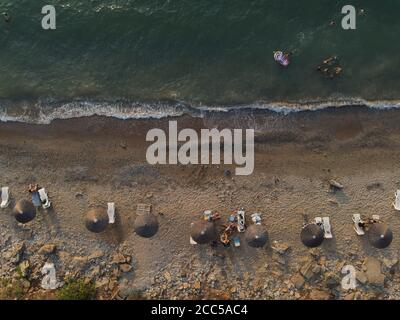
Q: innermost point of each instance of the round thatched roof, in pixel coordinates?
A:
(24, 211)
(312, 235)
(96, 220)
(380, 235)
(146, 225)
(203, 231)
(256, 236)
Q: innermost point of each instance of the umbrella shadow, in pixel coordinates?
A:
(329, 246)
(116, 232)
(50, 218)
(340, 196)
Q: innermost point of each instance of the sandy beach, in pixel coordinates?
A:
(85, 162)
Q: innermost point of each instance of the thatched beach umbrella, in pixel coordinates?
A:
(24, 211)
(256, 236)
(380, 235)
(96, 220)
(312, 235)
(203, 231)
(146, 225)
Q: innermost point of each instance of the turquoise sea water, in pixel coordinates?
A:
(212, 52)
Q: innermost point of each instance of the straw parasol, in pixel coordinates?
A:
(312, 235)
(203, 231)
(96, 220)
(256, 236)
(146, 225)
(24, 211)
(380, 235)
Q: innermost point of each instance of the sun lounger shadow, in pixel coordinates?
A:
(115, 232)
(341, 196)
(329, 246)
(49, 216)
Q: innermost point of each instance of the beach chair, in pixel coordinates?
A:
(318, 221)
(396, 203)
(36, 199)
(327, 228)
(143, 208)
(357, 228)
(376, 217)
(256, 218)
(325, 224)
(44, 198)
(207, 215)
(111, 212)
(240, 215)
(236, 242)
(5, 197)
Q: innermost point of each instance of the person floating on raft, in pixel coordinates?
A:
(281, 58)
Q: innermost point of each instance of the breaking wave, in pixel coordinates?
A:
(45, 112)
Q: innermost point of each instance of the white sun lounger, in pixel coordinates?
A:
(376, 217)
(44, 198)
(192, 241)
(240, 215)
(111, 212)
(327, 228)
(318, 221)
(396, 203)
(143, 208)
(357, 228)
(207, 214)
(325, 224)
(256, 218)
(5, 197)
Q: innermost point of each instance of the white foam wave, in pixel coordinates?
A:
(46, 112)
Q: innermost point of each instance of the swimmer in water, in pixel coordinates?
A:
(332, 23)
(330, 60)
(6, 17)
(338, 70)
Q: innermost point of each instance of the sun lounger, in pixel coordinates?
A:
(36, 199)
(44, 198)
(325, 224)
(240, 221)
(111, 212)
(256, 218)
(357, 220)
(376, 217)
(143, 209)
(318, 221)
(396, 203)
(207, 215)
(192, 241)
(5, 197)
(327, 228)
(236, 242)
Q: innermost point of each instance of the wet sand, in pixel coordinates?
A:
(88, 161)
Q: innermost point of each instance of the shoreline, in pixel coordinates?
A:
(46, 111)
(88, 161)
